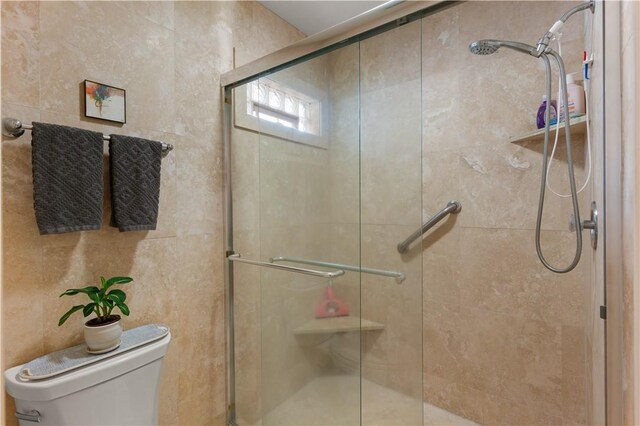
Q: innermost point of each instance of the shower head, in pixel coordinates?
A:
(487, 47)
(483, 47)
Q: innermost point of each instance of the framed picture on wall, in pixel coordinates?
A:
(105, 102)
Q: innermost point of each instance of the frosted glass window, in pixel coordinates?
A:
(276, 103)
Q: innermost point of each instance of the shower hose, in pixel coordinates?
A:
(545, 164)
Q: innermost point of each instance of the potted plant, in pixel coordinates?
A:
(103, 332)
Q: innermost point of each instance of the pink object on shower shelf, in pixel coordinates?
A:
(331, 306)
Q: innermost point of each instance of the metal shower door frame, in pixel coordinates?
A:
(389, 16)
(385, 17)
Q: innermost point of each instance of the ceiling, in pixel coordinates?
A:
(311, 16)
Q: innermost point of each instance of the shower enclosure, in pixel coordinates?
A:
(333, 160)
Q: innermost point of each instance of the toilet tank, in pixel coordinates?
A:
(120, 390)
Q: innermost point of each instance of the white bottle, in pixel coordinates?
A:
(575, 94)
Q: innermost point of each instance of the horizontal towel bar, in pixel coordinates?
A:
(13, 127)
(451, 207)
(399, 276)
(322, 274)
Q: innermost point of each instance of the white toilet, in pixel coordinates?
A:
(120, 390)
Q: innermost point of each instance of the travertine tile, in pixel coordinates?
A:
(391, 59)
(442, 265)
(245, 180)
(159, 12)
(392, 357)
(22, 333)
(390, 127)
(199, 196)
(508, 278)
(391, 190)
(199, 61)
(67, 58)
(20, 48)
(515, 360)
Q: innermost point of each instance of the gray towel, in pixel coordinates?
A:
(135, 182)
(67, 178)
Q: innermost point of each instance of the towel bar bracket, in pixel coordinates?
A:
(12, 127)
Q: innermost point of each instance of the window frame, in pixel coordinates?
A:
(244, 120)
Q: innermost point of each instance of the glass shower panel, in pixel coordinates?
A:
(336, 160)
(391, 183)
(306, 218)
(296, 202)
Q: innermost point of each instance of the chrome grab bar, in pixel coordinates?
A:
(399, 276)
(452, 207)
(322, 274)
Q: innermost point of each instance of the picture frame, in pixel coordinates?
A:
(105, 102)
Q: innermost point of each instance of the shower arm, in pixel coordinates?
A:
(543, 43)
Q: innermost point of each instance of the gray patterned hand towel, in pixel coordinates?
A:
(135, 182)
(67, 178)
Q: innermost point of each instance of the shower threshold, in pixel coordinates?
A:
(335, 400)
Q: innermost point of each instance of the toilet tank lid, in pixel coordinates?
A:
(87, 374)
(60, 362)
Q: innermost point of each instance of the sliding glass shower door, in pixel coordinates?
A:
(339, 316)
(391, 210)
(326, 177)
(296, 204)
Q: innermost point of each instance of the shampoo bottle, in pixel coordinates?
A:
(553, 114)
(575, 94)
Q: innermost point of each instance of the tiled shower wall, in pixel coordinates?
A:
(168, 56)
(504, 339)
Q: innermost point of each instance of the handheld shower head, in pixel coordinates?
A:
(484, 47)
(487, 47)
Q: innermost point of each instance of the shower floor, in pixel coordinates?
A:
(335, 400)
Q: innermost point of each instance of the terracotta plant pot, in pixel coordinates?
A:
(103, 337)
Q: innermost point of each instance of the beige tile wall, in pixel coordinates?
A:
(504, 339)
(168, 56)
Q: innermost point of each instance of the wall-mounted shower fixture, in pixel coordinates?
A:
(487, 47)
(592, 224)
(543, 43)
(543, 51)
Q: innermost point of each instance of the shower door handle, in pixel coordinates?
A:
(452, 207)
(235, 257)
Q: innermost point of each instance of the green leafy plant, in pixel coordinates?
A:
(103, 301)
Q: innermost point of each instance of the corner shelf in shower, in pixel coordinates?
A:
(337, 325)
(578, 127)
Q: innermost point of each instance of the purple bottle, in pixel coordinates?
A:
(553, 113)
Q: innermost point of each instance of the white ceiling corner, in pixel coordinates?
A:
(313, 16)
